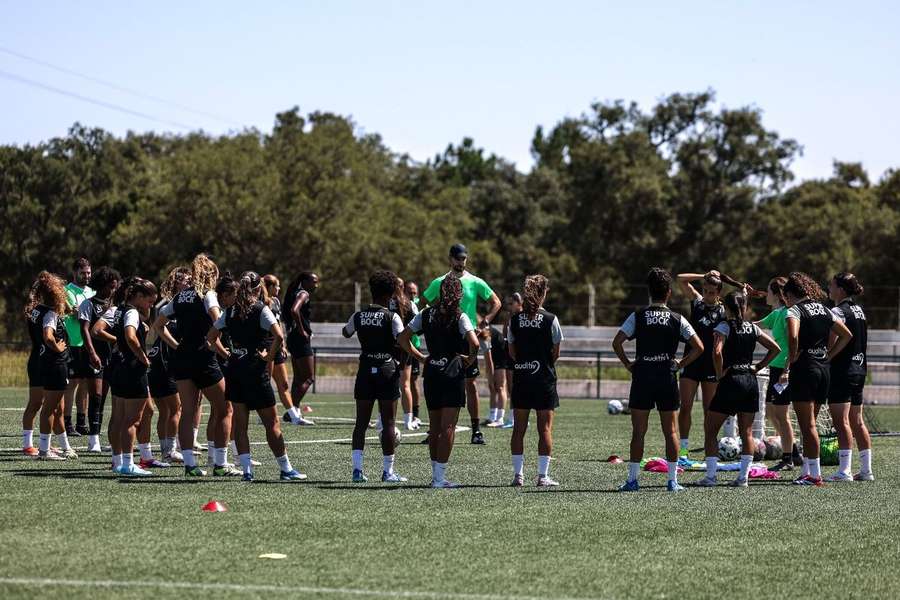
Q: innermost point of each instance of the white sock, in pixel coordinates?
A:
(500, 414)
(865, 460)
(284, 463)
(845, 458)
(633, 469)
(172, 445)
(438, 471)
(196, 433)
(221, 456)
(246, 467)
(127, 459)
(543, 466)
(146, 453)
(295, 414)
(388, 463)
(673, 470)
(188, 456)
(233, 447)
(357, 456)
(746, 459)
(685, 442)
(64, 441)
(93, 441)
(493, 414)
(27, 438)
(712, 465)
(44, 443)
(805, 470)
(518, 464)
(815, 467)
(407, 419)
(117, 461)
(177, 443)
(378, 425)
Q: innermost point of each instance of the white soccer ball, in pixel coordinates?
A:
(729, 448)
(614, 407)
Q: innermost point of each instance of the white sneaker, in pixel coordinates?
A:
(255, 463)
(95, 449)
(412, 426)
(70, 453)
(446, 485)
(494, 424)
(50, 455)
(174, 457)
(707, 482)
(740, 482)
(305, 422)
(864, 476)
(839, 476)
(544, 481)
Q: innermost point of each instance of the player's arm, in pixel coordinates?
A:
(618, 347)
(696, 351)
(100, 330)
(89, 343)
(50, 339)
(277, 342)
(772, 350)
(405, 341)
(495, 306)
(472, 356)
(301, 299)
(718, 343)
(684, 282)
(349, 329)
(793, 331)
(843, 335)
(135, 345)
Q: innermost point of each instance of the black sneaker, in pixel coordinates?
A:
(71, 432)
(478, 438)
(286, 417)
(783, 465)
(82, 430)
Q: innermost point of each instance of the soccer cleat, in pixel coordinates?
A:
(292, 475)
(70, 432)
(683, 452)
(95, 449)
(152, 463)
(255, 463)
(70, 453)
(305, 422)
(507, 425)
(194, 471)
(808, 480)
(226, 471)
(30, 451)
(518, 480)
(50, 455)
(544, 481)
(133, 471)
(358, 476)
(494, 424)
(173, 457)
(417, 422)
(740, 482)
(478, 438)
(444, 485)
(82, 430)
(247, 478)
(392, 478)
(839, 476)
(864, 476)
(783, 465)
(673, 486)
(630, 486)
(707, 482)
(286, 417)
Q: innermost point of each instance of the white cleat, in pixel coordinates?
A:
(50, 455)
(173, 457)
(305, 422)
(864, 476)
(707, 482)
(740, 482)
(518, 480)
(445, 485)
(839, 476)
(70, 453)
(544, 481)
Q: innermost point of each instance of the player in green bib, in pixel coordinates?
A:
(80, 370)
(473, 289)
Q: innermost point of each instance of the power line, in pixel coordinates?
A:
(117, 87)
(104, 104)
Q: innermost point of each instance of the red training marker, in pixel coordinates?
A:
(213, 506)
(614, 459)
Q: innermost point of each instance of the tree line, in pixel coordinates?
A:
(687, 184)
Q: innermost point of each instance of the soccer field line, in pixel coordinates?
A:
(238, 587)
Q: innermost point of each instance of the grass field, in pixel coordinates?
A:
(74, 530)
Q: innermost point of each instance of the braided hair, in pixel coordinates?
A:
(801, 285)
(447, 307)
(49, 290)
(534, 292)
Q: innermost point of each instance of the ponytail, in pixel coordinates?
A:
(776, 286)
(448, 304)
(534, 292)
(736, 302)
(250, 290)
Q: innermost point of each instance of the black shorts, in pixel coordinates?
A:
(472, 371)
(501, 360)
(534, 395)
(652, 387)
(701, 369)
(161, 382)
(299, 345)
(737, 392)
(249, 384)
(773, 396)
(809, 384)
(198, 366)
(80, 364)
(416, 367)
(442, 391)
(34, 370)
(130, 381)
(54, 376)
(281, 357)
(847, 388)
(377, 382)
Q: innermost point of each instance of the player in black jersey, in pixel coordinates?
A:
(378, 375)
(848, 377)
(278, 367)
(256, 340)
(452, 348)
(657, 330)
(104, 281)
(534, 338)
(513, 306)
(734, 341)
(129, 380)
(401, 306)
(706, 312)
(411, 290)
(501, 366)
(297, 317)
(194, 364)
(809, 325)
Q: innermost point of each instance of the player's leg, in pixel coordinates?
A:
(712, 423)
(669, 422)
(130, 420)
(863, 442)
(545, 447)
(32, 408)
(190, 404)
(639, 421)
(687, 391)
(840, 417)
(517, 445)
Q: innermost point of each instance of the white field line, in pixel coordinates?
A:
(238, 587)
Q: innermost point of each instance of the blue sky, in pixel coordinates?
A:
(424, 74)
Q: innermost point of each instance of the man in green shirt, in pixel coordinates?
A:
(474, 289)
(80, 370)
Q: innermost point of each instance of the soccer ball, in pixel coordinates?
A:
(759, 451)
(729, 448)
(614, 407)
(773, 447)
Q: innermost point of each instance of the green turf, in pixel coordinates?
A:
(76, 521)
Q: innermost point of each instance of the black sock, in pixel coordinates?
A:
(476, 426)
(80, 419)
(785, 457)
(416, 410)
(68, 421)
(795, 451)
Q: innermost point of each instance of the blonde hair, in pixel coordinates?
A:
(250, 290)
(49, 290)
(204, 273)
(177, 275)
(534, 292)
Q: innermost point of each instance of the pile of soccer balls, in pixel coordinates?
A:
(766, 449)
(617, 407)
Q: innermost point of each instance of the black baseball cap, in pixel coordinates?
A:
(458, 251)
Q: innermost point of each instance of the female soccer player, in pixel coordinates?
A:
(734, 341)
(706, 312)
(277, 367)
(298, 320)
(513, 307)
(411, 291)
(105, 282)
(46, 309)
(195, 367)
(378, 375)
(809, 325)
(452, 348)
(848, 377)
(778, 399)
(129, 381)
(401, 305)
(534, 338)
(256, 340)
(657, 330)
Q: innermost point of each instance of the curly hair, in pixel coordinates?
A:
(848, 282)
(534, 292)
(226, 284)
(383, 284)
(447, 306)
(178, 277)
(801, 285)
(659, 283)
(102, 277)
(49, 290)
(204, 273)
(250, 290)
